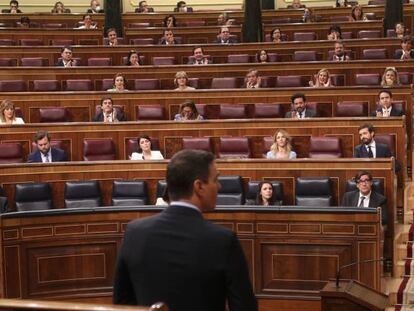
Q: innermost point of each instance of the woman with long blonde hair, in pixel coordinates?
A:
(281, 147)
(8, 113)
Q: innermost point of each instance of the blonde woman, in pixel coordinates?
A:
(390, 77)
(281, 148)
(8, 113)
(180, 82)
(322, 79)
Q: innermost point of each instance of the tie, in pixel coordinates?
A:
(47, 158)
(370, 154)
(300, 114)
(361, 204)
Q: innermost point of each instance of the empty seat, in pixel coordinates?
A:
(369, 34)
(253, 188)
(266, 111)
(232, 111)
(281, 20)
(313, 191)
(346, 35)
(193, 82)
(391, 33)
(107, 84)
(161, 188)
(367, 79)
(224, 83)
(98, 149)
(54, 25)
(234, 147)
(7, 42)
(46, 85)
(304, 36)
(33, 196)
(163, 60)
(304, 56)
(129, 193)
(141, 41)
(147, 84)
(198, 143)
(231, 190)
(192, 23)
(150, 112)
(61, 42)
(351, 109)
(34, 62)
(337, 79)
(406, 78)
(30, 42)
(79, 85)
(139, 25)
(13, 86)
(387, 139)
(238, 58)
(325, 147)
(339, 18)
(99, 61)
(374, 54)
(273, 57)
(11, 153)
(53, 114)
(8, 62)
(82, 194)
(289, 81)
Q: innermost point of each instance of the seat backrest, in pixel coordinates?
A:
(238, 58)
(253, 189)
(325, 147)
(141, 41)
(232, 111)
(234, 147)
(86, 193)
(98, 149)
(53, 114)
(99, 61)
(7, 42)
(391, 33)
(31, 42)
(304, 56)
(33, 196)
(129, 193)
(231, 191)
(377, 185)
(193, 82)
(406, 78)
(388, 140)
(339, 18)
(79, 85)
(54, 25)
(61, 42)
(13, 86)
(289, 81)
(304, 36)
(374, 54)
(161, 186)
(197, 143)
(267, 144)
(369, 34)
(351, 109)
(313, 191)
(34, 62)
(272, 110)
(11, 153)
(147, 84)
(150, 112)
(8, 62)
(163, 60)
(367, 79)
(224, 83)
(139, 25)
(46, 85)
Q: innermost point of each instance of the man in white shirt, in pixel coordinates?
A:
(299, 110)
(252, 79)
(198, 57)
(66, 59)
(386, 108)
(45, 153)
(339, 54)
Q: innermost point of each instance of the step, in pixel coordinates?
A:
(399, 269)
(390, 287)
(408, 217)
(401, 252)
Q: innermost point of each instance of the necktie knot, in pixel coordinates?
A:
(361, 204)
(370, 153)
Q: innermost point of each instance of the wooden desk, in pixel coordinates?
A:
(69, 20)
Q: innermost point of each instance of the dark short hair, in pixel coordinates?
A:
(407, 39)
(111, 29)
(14, 2)
(335, 28)
(139, 150)
(105, 98)
(297, 95)
(360, 174)
(129, 56)
(66, 47)
(184, 168)
(368, 126)
(141, 2)
(24, 20)
(385, 91)
(87, 14)
(198, 47)
(40, 135)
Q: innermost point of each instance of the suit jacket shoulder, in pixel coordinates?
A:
(34, 157)
(58, 155)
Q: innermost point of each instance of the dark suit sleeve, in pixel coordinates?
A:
(345, 200)
(64, 156)
(121, 117)
(357, 152)
(123, 293)
(384, 211)
(397, 55)
(240, 294)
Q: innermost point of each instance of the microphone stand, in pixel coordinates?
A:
(338, 273)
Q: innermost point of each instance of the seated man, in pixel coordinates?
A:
(369, 148)
(386, 108)
(24, 22)
(299, 110)
(108, 112)
(45, 153)
(143, 7)
(365, 196)
(399, 29)
(14, 8)
(95, 7)
(168, 38)
(406, 51)
(112, 37)
(339, 54)
(182, 7)
(66, 60)
(198, 57)
(224, 36)
(296, 5)
(252, 79)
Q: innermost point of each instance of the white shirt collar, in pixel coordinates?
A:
(186, 204)
(48, 154)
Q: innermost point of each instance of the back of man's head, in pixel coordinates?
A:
(184, 168)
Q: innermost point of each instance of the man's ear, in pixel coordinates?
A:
(198, 186)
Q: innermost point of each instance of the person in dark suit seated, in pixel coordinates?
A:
(143, 7)
(198, 57)
(108, 113)
(177, 256)
(386, 108)
(95, 7)
(182, 7)
(406, 51)
(14, 8)
(252, 79)
(299, 110)
(365, 196)
(296, 4)
(66, 60)
(112, 37)
(168, 38)
(45, 153)
(224, 36)
(339, 54)
(369, 147)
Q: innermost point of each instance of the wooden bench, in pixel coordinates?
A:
(68, 20)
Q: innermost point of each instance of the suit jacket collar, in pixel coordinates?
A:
(179, 210)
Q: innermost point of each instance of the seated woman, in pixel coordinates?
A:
(334, 33)
(8, 113)
(262, 57)
(399, 29)
(59, 8)
(134, 59)
(88, 23)
(390, 78)
(119, 83)
(181, 80)
(188, 112)
(281, 148)
(169, 21)
(276, 35)
(357, 14)
(265, 194)
(144, 151)
(322, 79)
(108, 113)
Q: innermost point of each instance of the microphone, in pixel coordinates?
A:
(338, 273)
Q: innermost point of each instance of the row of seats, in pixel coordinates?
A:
(361, 79)
(309, 191)
(223, 111)
(229, 147)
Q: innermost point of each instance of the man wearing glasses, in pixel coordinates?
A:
(365, 196)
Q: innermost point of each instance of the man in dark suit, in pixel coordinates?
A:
(299, 110)
(406, 51)
(369, 147)
(45, 153)
(198, 57)
(108, 112)
(66, 60)
(168, 38)
(386, 108)
(177, 256)
(143, 7)
(14, 8)
(224, 36)
(339, 54)
(365, 196)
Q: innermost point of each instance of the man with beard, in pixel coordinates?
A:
(45, 153)
(339, 52)
(369, 147)
(299, 110)
(198, 57)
